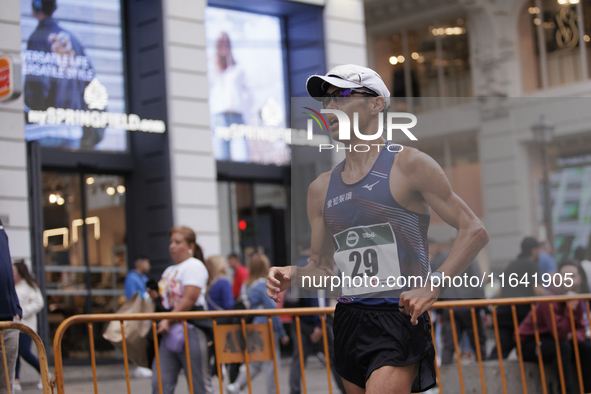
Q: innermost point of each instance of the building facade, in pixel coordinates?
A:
(479, 74)
(81, 200)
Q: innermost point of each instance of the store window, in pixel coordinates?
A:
(74, 75)
(246, 87)
(433, 61)
(555, 43)
(255, 219)
(83, 274)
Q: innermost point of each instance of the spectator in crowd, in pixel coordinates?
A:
(182, 288)
(546, 262)
(462, 316)
(255, 288)
(10, 310)
(219, 297)
(135, 281)
(311, 329)
(573, 271)
(219, 290)
(581, 258)
(31, 300)
(154, 294)
(525, 266)
(240, 273)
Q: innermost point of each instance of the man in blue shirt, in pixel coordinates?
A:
(10, 310)
(546, 262)
(136, 279)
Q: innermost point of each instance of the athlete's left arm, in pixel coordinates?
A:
(423, 175)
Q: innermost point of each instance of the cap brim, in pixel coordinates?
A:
(317, 85)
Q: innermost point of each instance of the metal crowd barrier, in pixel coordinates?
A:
(472, 304)
(219, 331)
(6, 325)
(265, 331)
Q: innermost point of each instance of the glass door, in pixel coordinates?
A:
(85, 251)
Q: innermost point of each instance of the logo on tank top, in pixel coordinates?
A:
(369, 187)
(352, 239)
(339, 199)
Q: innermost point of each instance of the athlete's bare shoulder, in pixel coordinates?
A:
(415, 165)
(317, 192)
(319, 186)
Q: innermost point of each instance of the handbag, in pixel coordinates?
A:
(136, 331)
(175, 338)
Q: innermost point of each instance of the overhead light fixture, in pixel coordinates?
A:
(120, 189)
(60, 200)
(94, 220)
(401, 59)
(89, 180)
(393, 60)
(415, 55)
(110, 190)
(62, 231)
(448, 31)
(586, 38)
(52, 198)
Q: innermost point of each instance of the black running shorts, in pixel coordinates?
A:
(369, 337)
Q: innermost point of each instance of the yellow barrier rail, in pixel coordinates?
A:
(5, 325)
(297, 312)
(184, 316)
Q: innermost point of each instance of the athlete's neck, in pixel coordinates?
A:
(359, 159)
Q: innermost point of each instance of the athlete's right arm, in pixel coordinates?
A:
(321, 259)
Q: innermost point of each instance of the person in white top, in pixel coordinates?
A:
(182, 288)
(31, 301)
(230, 101)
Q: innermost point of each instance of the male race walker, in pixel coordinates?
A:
(370, 216)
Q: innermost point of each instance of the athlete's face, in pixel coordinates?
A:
(367, 108)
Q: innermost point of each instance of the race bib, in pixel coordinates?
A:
(368, 255)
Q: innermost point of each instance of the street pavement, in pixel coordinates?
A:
(111, 380)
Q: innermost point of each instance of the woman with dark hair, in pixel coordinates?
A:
(31, 301)
(182, 288)
(573, 282)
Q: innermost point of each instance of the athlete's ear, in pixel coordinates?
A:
(377, 105)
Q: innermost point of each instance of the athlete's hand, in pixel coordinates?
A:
(278, 279)
(416, 302)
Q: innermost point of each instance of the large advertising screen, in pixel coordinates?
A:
(73, 75)
(246, 86)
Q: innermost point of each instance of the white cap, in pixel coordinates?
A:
(348, 76)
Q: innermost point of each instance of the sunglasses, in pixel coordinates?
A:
(343, 93)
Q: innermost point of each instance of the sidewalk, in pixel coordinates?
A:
(111, 380)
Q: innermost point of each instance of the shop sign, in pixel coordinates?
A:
(96, 98)
(10, 78)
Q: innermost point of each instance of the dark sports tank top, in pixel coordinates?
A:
(375, 235)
